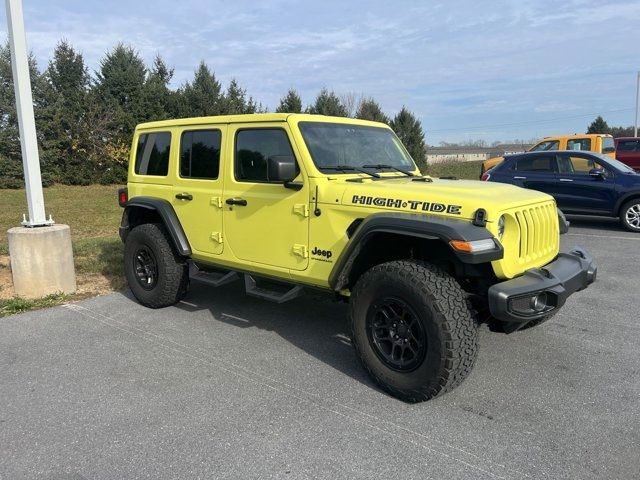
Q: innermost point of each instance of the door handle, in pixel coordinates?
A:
(184, 196)
(520, 178)
(566, 180)
(236, 201)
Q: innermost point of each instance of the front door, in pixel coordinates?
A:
(582, 192)
(197, 191)
(264, 221)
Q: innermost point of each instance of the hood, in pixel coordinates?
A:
(459, 198)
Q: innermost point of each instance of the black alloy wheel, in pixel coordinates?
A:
(145, 266)
(398, 338)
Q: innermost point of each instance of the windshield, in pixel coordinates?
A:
(337, 144)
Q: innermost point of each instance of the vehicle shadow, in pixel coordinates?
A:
(604, 224)
(314, 323)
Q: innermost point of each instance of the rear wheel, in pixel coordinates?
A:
(412, 329)
(157, 275)
(630, 215)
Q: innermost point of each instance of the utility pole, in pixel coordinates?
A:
(26, 120)
(41, 258)
(635, 127)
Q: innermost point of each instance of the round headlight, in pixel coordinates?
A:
(501, 223)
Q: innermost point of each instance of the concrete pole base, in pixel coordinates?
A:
(41, 260)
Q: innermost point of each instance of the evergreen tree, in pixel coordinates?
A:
(202, 96)
(120, 85)
(235, 99)
(409, 130)
(599, 125)
(290, 103)
(63, 129)
(160, 101)
(11, 172)
(328, 103)
(369, 109)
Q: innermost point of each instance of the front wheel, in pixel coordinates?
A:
(630, 215)
(412, 329)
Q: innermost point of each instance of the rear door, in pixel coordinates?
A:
(197, 191)
(581, 192)
(536, 172)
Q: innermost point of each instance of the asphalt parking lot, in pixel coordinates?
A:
(226, 386)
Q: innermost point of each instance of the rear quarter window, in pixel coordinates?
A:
(152, 154)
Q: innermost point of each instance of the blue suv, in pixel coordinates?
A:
(582, 183)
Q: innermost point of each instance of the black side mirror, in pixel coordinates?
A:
(597, 173)
(282, 168)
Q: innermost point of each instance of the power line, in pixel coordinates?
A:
(530, 122)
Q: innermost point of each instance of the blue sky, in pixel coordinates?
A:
(470, 70)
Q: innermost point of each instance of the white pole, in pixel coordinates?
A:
(635, 128)
(26, 120)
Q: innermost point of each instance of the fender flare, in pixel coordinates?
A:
(624, 199)
(413, 225)
(167, 215)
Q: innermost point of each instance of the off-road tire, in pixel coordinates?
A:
(172, 270)
(440, 305)
(627, 207)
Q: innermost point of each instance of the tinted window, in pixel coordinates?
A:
(628, 145)
(608, 145)
(152, 154)
(200, 154)
(547, 145)
(254, 147)
(579, 144)
(537, 164)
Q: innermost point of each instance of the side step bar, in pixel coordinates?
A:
(272, 295)
(214, 279)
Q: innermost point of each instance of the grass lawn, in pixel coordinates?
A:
(462, 170)
(93, 215)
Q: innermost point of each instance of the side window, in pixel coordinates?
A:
(253, 149)
(581, 165)
(608, 145)
(200, 154)
(539, 164)
(544, 146)
(628, 145)
(152, 154)
(579, 144)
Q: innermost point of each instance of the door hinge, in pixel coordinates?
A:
(300, 250)
(301, 209)
(216, 202)
(216, 237)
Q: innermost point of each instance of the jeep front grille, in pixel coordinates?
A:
(539, 235)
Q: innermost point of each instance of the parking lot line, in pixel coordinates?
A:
(601, 236)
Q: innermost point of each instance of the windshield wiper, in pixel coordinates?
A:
(349, 168)
(382, 166)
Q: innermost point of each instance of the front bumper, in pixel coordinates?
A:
(541, 291)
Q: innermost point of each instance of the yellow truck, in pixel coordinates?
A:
(591, 142)
(288, 202)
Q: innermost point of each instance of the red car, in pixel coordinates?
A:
(628, 151)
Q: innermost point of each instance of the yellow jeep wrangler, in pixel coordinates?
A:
(286, 202)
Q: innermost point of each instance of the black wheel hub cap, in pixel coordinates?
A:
(396, 334)
(146, 267)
